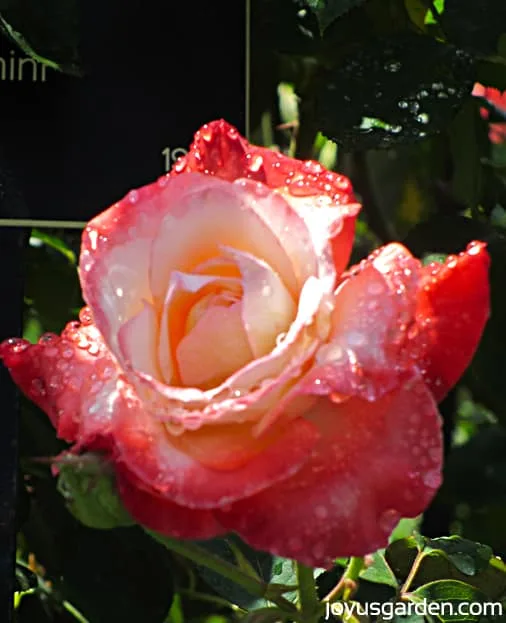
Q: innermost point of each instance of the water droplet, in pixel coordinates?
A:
(474, 248)
(205, 133)
(434, 454)
(321, 511)
(318, 551)
(414, 107)
(96, 387)
(119, 292)
(82, 341)
(395, 129)
(388, 520)
(85, 316)
(48, 338)
(37, 387)
(266, 290)
(93, 348)
(422, 118)
(356, 338)
(67, 353)
(133, 196)
(437, 86)
(423, 93)
(432, 478)
(256, 164)
(375, 288)
(279, 339)
(451, 261)
(392, 66)
(402, 104)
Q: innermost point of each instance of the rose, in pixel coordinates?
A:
(236, 378)
(497, 103)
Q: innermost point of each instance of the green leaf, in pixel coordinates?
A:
(400, 556)
(469, 558)
(406, 527)
(87, 484)
(393, 90)
(54, 242)
(379, 571)
(453, 593)
(51, 285)
(452, 558)
(474, 24)
(287, 26)
(46, 31)
(272, 569)
(329, 10)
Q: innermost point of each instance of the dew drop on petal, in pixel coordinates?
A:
(295, 544)
(389, 519)
(93, 348)
(321, 511)
(67, 353)
(318, 550)
(133, 196)
(85, 316)
(473, 248)
(451, 261)
(432, 478)
(62, 365)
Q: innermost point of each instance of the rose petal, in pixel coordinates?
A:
(137, 340)
(214, 348)
(143, 444)
(376, 462)
(72, 378)
(453, 306)
(267, 306)
(157, 513)
(183, 294)
(210, 215)
(219, 150)
(370, 347)
(252, 391)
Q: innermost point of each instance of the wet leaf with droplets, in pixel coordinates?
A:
(329, 10)
(450, 558)
(394, 90)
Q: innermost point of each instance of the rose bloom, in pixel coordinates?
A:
(497, 100)
(237, 377)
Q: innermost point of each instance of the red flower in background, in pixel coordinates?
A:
(236, 377)
(497, 130)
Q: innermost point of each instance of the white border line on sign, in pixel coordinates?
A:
(7, 222)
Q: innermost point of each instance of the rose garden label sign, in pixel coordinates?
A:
(153, 73)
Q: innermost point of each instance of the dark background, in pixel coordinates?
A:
(76, 144)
